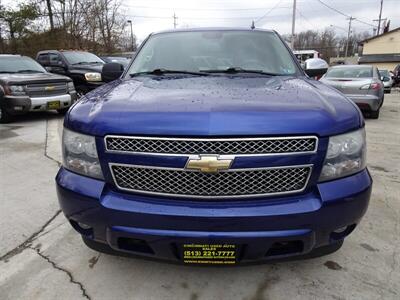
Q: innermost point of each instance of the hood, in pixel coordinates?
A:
(87, 68)
(214, 106)
(27, 78)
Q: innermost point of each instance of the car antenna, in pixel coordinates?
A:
(252, 25)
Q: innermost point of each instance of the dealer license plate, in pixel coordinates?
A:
(216, 254)
(53, 105)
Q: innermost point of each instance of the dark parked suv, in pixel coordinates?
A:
(26, 86)
(84, 68)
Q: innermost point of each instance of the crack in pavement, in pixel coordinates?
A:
(45, 144)
(28, 242)
(69, 274)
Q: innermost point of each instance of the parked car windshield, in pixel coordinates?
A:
(349, 72)
(79, 57)
(202, 51)
(19, 64)
(117, 59)
(384, 73)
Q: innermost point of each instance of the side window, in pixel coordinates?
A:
(43, 59)
(55, 59)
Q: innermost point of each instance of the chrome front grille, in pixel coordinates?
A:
(224, 184)
(46, 89)
(234, 146)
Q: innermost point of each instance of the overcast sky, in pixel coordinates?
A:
(154, 15)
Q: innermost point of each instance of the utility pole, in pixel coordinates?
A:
(133, 46)
(377, 31)
(348, 35)
(293, 24)
(175, 17)
(50, 14)
(380, 17)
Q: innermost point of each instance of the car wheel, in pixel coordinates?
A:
(81, 91)
(324, 250)
(97, 246)
(5, 117)
(62, 111)
(374, 114)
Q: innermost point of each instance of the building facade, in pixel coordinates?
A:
(382, 50)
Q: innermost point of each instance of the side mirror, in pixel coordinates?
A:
(111, 71)
(315, 67)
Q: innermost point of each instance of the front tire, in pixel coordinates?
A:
(5, 117)
(99, 247)
(81, 91)
(324, 250)
(374, 114)
(62, 111)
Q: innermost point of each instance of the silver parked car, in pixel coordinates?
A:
(387, 80)
(360, 83)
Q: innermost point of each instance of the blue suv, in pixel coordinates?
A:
(214, 147)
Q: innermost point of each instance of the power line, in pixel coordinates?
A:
(267, 13)
(343, 14)
(200, 9)
(199, 18)
(304, 18)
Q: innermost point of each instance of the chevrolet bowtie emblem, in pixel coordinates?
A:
(49, 88)
(209, 163)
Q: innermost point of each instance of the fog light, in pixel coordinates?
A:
(84, 226)
(18, 108)
(340, 230)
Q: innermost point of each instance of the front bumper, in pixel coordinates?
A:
(23, 104)
(366, 102)
(164, 224)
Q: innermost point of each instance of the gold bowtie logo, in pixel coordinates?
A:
(49, 88)
(209, 164)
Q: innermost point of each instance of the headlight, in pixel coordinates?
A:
(346, 155)
(93, 76)
(71, 87)
(80, 154)
(16, 90)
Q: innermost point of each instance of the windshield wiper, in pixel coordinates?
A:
(7, 72)
(166, 71)
(29, 71)
(237, 70)
(81, 63)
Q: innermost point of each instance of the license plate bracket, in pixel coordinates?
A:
(53, 105)
(209, 254)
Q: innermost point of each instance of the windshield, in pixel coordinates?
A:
(349, 72)
(121, 60)
(384, 73)
(19, 64)
(76, 57)
(215, 50)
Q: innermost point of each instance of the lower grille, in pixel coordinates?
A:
(225, 184)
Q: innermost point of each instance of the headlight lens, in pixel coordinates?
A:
(71, 87)
(93, 76)
(17, 90)
(346, 155)
(80, 154)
